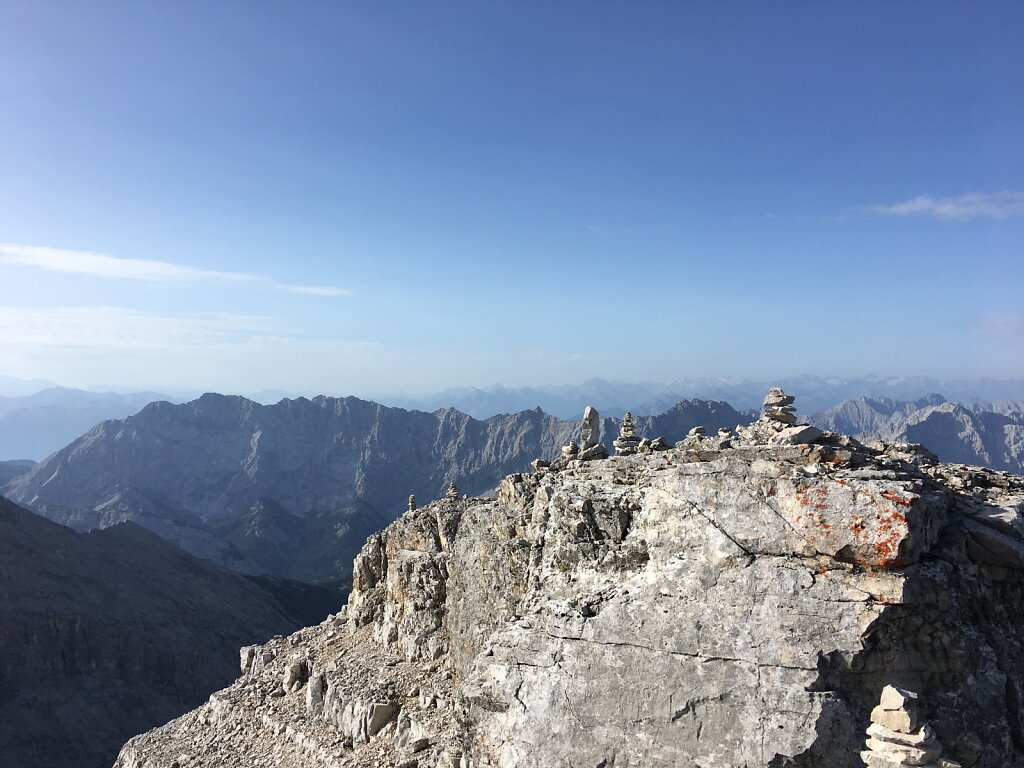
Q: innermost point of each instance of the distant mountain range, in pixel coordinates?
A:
(11, 469)
(293, 489)
(813, 394)
(34, 426)
(109, 633)
(983, 434)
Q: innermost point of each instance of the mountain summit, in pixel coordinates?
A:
(741, 599)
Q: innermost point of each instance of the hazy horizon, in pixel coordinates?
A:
(408, 198)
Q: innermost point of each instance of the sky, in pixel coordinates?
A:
(366, 198)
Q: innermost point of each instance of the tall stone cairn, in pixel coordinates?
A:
(588, 433)
(590, 449)
(412, 502)
(626, 443)
(453, 491)
(897, 737)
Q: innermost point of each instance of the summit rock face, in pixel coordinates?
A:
(735, 601)
(293, 489)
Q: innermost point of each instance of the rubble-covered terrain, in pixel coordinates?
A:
(740, 599)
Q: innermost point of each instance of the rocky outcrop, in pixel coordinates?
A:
(731, 602)
(110, 633)
(988, 435)
(295, 488)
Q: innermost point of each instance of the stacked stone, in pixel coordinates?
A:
(897, 737)
(453, 491)
(590, 449)
(776, 425)
(412, 503)
(778, 407)
(626, 443)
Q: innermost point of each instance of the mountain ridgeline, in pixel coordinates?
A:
(293, 489)
(982, 434)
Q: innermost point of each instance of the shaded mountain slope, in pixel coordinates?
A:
(108, 633)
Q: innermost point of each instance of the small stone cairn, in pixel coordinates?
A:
(777, 424)
(626, 443)
(453, 492)
(778, 407)
(412, 502)
(897, 737)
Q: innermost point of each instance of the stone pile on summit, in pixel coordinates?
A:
(626, 443)
(778, 423)
(590, 448)
(778, 407)
(897, 737)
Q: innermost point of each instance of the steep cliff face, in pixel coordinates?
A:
(109, 633)
(295, 488)
(715, 605)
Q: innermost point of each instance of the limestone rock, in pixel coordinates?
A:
(590, 429)
(718, 607)
(797, 435)
(896, 698)
(593, 452)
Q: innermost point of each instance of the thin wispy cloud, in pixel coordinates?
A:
(209, 350)
(997, 205)
(1002, 325)
(126, 329)
(145, 270)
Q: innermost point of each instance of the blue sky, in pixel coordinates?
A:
(368, 198)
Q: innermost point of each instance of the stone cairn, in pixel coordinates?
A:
(412, 503)
(590, 449)
(778, 423)
(453, 492)
(778, 407)
(626, 443)
(897, 736)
